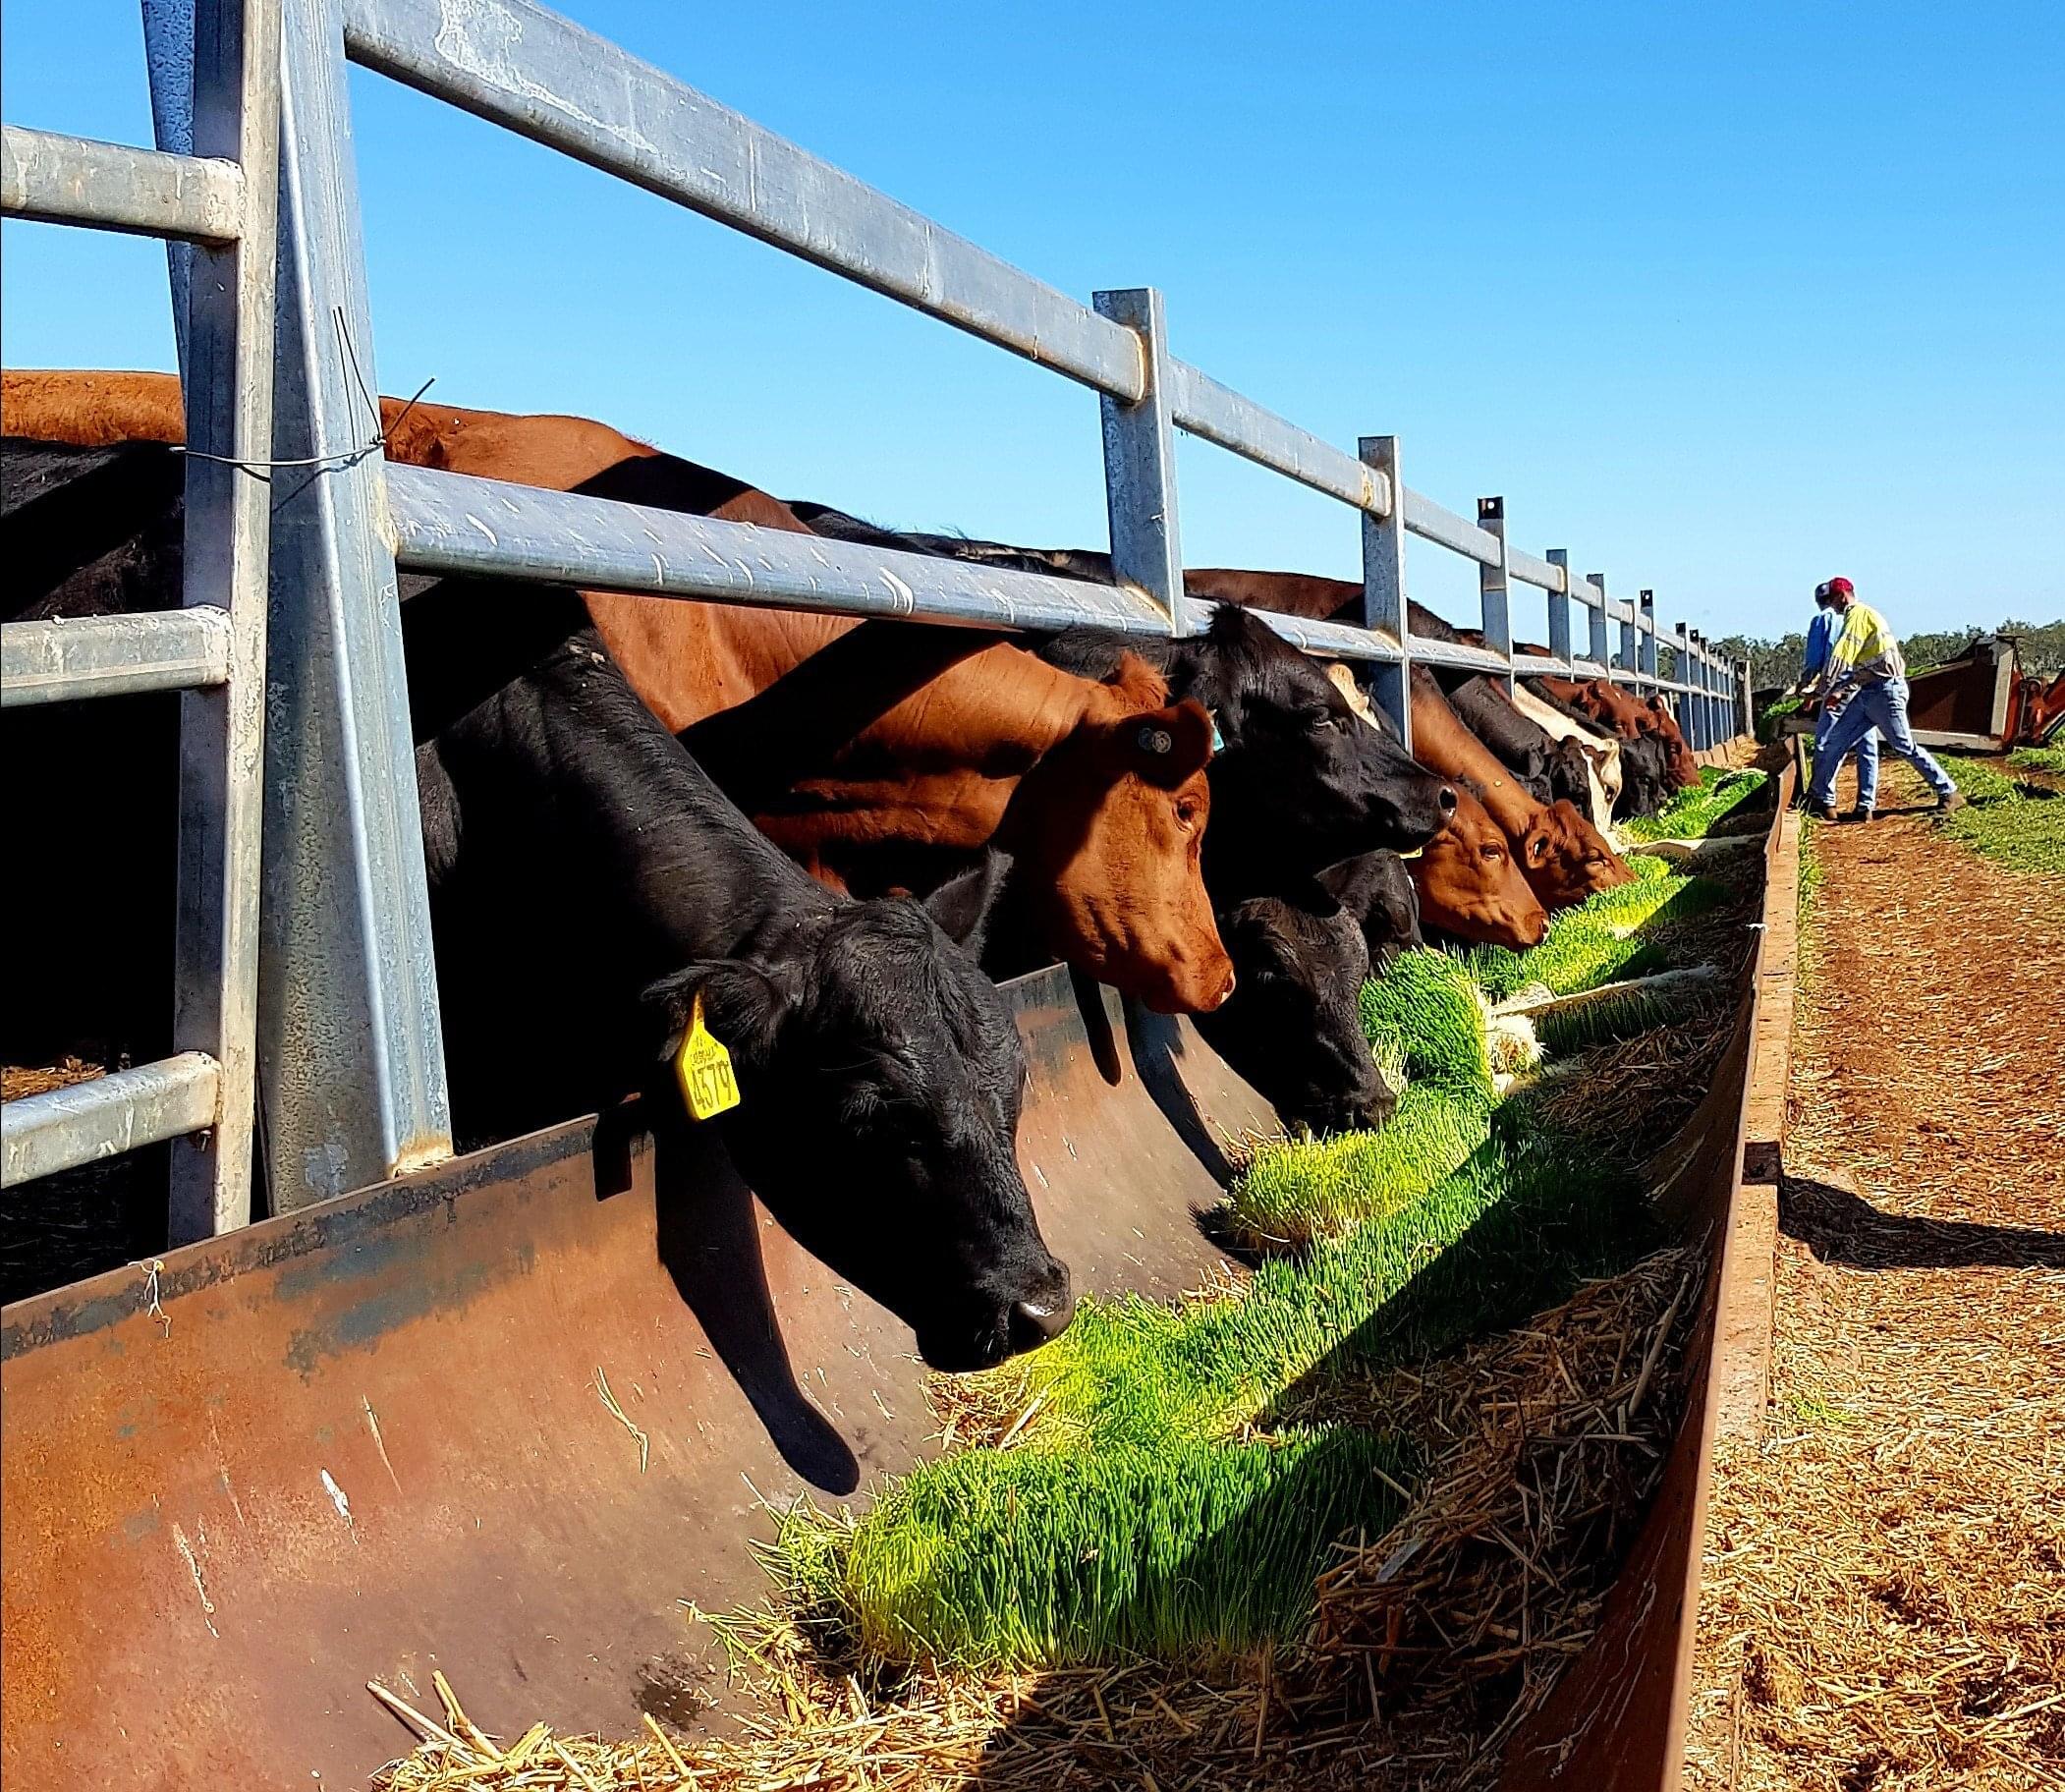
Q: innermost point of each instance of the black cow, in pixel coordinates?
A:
(1378, 891)
(1293, 1028)
(588, 882)
(1520, 745)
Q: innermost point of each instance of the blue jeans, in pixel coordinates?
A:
(1881, 706)
(1867, 758)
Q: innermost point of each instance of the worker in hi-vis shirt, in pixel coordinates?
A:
(1866, 682)
(1821, 635)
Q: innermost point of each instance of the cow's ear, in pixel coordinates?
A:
(961, 905)
(1169, 746)
(743, 1006)
(1257, 945)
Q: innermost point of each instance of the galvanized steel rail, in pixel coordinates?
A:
(545, 77)
(221, 198)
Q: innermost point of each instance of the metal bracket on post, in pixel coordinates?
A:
(349, 1015)
(1384, 587)
(1559, 607)
(1646, 639)
(1140, 460)
(233, 69)
(1494, 601)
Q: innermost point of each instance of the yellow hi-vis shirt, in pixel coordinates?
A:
(1866, 651)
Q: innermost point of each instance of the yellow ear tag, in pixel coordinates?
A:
(702, 1068)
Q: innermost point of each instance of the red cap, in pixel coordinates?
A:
(1842, 587)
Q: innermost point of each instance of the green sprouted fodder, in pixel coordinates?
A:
(1693, 814)
(1177, 1549)
(1603, 938)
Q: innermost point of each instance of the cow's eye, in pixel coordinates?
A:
(1186, 814)
(1490, 854)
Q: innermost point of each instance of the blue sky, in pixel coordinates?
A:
(1725, 300)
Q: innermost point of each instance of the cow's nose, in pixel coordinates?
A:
(1445, 801)
(1037, 1323)
(1225, 994)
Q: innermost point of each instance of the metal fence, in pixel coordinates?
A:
(220, 197)
(348, 1025)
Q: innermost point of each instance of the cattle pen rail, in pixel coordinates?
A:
(356, 1087)
(288, 1346)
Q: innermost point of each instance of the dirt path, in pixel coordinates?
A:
(1884, 1604)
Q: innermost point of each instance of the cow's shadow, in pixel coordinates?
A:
(708, 1239)
(1841, 1227)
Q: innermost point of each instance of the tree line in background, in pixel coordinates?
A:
(1773, 664)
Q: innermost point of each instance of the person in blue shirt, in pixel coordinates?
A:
(1821, 635)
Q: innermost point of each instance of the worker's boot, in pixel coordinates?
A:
(1821, 812)
(1950, 804)
(1860, 813)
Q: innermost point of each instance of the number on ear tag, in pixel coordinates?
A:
(702, 1068)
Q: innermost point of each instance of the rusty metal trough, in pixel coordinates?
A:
(505, 1416)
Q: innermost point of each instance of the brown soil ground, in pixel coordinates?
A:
(1884, 1599)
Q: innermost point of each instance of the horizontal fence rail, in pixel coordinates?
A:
(49, 179)
(121, 1111)
(545, 77)
(67, 658)
(457, 524)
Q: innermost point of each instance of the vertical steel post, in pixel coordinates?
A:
(1385, 604)
(228, 390)
(1493, 600)
(1140, 460)
(1646, 639)
(168, 50)
(1559, 607)
(1699, 715)
(1624, 658)
(1681, 701)
(1595, 632)
(1748, 699)
(349, 1019)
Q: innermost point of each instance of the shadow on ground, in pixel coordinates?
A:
(1840, 1227)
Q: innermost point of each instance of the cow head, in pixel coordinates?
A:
(1293, 1028)
(1107, 832)
(1301, 778)
(1683, 768)
(1646, 781)
(1565, 858)
(1376, 890)
(1470, 885)
(882, 1079)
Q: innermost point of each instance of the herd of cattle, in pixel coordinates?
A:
(836, 835)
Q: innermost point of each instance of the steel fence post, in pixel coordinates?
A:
(1140, 460)
(1495, 601)
(1385, 604)
(228, 391)
(1645, 640)
(1558, 604)
(349, 1019)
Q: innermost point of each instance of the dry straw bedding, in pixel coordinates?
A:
(1884, 1597)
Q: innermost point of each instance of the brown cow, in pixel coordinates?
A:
(1562, 856)
(1631, 718)
(1465, 876)
(1469, 884)
(1106, 840)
